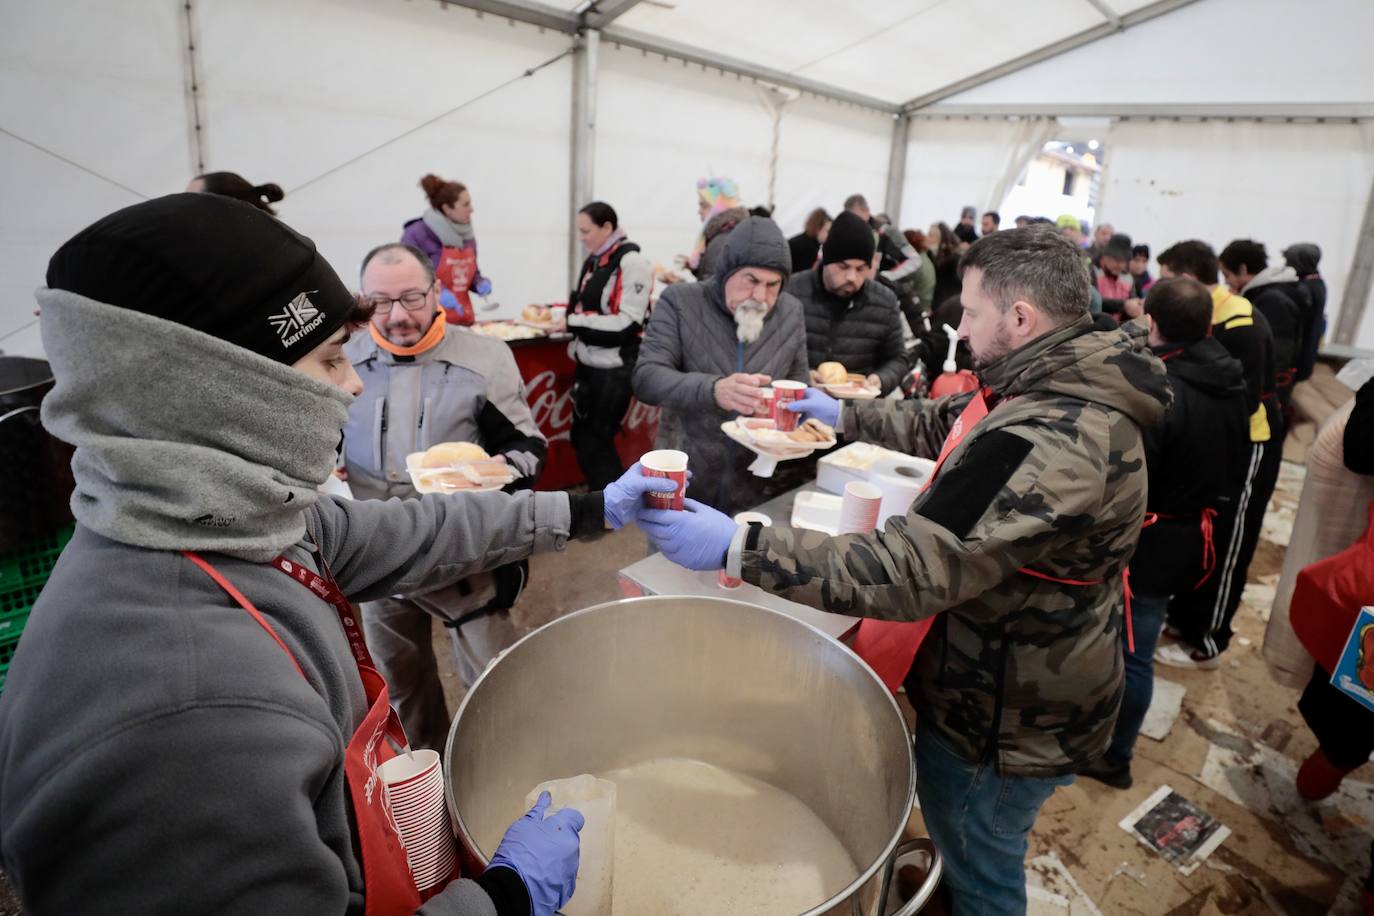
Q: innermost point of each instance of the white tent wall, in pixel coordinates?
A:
(660, 126)
(648, 161)
(376, 70)
(956, 162)
(66, 86)
(829, 151)
(1275, 183)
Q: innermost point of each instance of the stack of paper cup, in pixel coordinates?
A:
(594, 799)
(670, 463)
(859, 508)
(784, 393)
(413, 787)
(743, 518)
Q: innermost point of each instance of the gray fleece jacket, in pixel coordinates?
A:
(159, 753)
(691, 343)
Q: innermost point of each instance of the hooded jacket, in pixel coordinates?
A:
(691, 343)
(864, 332)
(1304, 258)
(1017, 671)
(1276, 292)
(1196, 458)
(158, 752)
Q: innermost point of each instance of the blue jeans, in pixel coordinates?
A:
(1147, 619)
(979, 821)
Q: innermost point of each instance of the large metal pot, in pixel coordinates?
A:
(733, 684)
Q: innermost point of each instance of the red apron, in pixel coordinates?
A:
(888, 646)
(389, 889)
(455, 273)
(1328, 595)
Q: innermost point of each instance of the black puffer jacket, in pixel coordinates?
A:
(1196, 459)
(864, 333)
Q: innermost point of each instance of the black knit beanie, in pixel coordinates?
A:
(850, 238)
(220, 266)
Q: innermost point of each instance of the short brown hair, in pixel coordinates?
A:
(1181, 308)
(815, 222)
(1036, 264)
(1193, 257)
(361, 314)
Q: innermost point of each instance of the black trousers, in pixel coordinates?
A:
(1343, 727)
(1204, 615)
(600, 399)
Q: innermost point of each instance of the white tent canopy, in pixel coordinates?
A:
(1208, 109)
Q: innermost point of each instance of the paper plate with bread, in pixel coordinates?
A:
(457, 467)
(838, 382)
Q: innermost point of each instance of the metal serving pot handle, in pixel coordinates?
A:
(911, 848)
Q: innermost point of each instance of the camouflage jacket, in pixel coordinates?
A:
(1019, 670)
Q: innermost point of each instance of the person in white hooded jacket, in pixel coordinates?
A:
(191, 722)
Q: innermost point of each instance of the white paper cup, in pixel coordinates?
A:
(749, 518)
(594, 799)
(559, 313)
(669, 463)
(859, 508)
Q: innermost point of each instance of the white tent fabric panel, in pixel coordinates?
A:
(960, 162)
(308, 113)
(660, 128)
(75, 91)
(828, 152)
(888, 49)
(1270, 182)
(1210, 51)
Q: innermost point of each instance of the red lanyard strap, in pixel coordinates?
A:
(328, 590)
(244, 603)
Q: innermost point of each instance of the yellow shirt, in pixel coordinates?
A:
(1232, 311)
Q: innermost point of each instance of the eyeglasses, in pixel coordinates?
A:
(411, 300)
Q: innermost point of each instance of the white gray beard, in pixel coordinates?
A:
(749, 317)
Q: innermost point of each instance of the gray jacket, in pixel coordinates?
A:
(161, 754)
(691, 343)
(466, 388)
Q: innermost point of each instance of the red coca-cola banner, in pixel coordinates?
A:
(548, 372)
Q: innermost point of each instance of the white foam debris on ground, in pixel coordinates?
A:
(1165, 706)
(1259, 598)
(1283, 505)
(1336, 830)
(1052, 891)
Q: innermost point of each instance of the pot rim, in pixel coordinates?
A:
(865, 876)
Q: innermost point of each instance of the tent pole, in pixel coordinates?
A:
(1359, 281)
(896, 167)
(583, 134)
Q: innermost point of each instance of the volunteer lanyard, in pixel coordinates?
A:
(328, 590)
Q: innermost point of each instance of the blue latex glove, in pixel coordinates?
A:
(482, 287)
(625, 497)
(696, 538)
(448, 300)
(817, 405)
(545, 853)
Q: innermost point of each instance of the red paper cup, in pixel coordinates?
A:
(765, 408)
(784, 393)
(669, 463)
(725, 581)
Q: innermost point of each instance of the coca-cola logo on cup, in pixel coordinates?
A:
(553, 412)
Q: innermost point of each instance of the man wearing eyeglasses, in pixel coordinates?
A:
(425, 382)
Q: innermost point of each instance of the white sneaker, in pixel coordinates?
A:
(1177, 655)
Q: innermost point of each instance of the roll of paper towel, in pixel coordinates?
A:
(900, 479)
